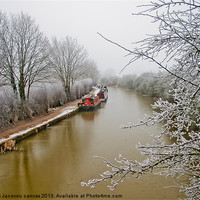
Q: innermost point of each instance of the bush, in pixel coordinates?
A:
(9, 112)
(56, 95)
(39, 102)
(80, 88)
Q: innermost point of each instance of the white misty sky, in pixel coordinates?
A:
(83, 19)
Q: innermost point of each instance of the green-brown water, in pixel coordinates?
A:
(56, 160)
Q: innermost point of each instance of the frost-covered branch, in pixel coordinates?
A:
(167, 4)
(175, 49)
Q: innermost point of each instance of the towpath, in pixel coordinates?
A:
(38, 120)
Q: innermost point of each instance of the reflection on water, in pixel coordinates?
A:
(56, 160)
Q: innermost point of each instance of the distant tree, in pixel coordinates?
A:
(110, 80)
(175, 49)
(67, 59)
(127, 81)
(151, 84)
(90, 70)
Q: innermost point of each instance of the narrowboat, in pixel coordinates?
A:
(89, 103)
(103, 93)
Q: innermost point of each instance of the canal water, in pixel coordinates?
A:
(55, 161)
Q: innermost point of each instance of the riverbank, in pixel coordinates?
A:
(33, 127)
(25, 130)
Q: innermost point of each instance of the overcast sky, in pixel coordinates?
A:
(83, 19)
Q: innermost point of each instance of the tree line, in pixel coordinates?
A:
(148, 83)
(30, 62)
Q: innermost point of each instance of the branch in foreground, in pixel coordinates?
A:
(123, 170)
(142, 55)
(167, 159)
(115, 43)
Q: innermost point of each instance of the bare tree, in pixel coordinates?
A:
(23, 53)
(175, 49)
(7, 53)
(67, 60)
(31, 47)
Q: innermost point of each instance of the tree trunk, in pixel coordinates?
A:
(68, 92)
(12, 81)
(22, 87)
(28, 91)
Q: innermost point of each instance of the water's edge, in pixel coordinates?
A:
(21, 135)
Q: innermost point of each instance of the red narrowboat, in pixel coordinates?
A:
(89, 103)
